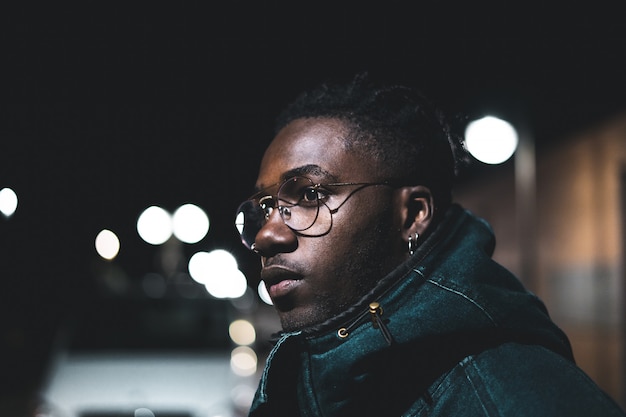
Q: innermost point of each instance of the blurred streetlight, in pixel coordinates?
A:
(154, 225)
(8, 202)
(263, 294)
(157, 226)
(491, 140)
(219, 273)
(190, 223)
(107, 244)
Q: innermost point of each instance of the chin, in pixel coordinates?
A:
(297, 319)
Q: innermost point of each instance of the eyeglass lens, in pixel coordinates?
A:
(299, 205)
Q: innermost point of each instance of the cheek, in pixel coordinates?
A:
(367, 215)
(366, 238)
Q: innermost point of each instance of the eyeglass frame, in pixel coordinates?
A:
(257, 197)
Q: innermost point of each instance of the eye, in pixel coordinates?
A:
(301, 191)
(310, 194)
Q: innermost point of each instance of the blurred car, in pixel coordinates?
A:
(123, 357)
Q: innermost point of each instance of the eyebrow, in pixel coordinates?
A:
(304, 171)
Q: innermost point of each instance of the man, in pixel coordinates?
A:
(388, 297)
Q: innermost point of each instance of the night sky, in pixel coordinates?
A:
(107, 109)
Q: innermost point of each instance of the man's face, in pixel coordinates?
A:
(311, 279)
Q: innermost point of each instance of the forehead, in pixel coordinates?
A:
(316, 148)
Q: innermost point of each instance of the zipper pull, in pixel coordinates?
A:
(376, 311)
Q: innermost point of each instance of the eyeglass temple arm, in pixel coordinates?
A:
(362, 185)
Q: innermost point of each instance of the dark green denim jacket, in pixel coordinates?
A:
(448, 333)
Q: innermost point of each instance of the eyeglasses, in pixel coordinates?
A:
(301, 204)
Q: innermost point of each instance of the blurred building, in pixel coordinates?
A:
(566, 239)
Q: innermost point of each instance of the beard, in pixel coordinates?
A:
(350, 262)
(373, 255)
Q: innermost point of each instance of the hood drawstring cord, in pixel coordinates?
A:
(375, 311)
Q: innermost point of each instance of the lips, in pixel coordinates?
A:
(280, 280)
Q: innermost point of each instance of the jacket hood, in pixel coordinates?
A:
(452, 287)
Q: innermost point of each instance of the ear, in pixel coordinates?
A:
(417, 210)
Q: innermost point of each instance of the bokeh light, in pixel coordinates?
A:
(491, 140)
(190, 223)
(8, 202)
(239, 222)
(227, 284)
(242, 332)
(263, 294)
(218, 272)
(243, 361)
(154, 225)
(107, 244)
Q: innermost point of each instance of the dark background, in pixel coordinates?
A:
(109, 108)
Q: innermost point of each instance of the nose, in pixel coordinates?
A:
(275, 237)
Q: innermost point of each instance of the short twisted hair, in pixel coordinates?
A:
(395, 125)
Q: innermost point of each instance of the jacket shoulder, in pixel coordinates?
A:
(516, 380)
